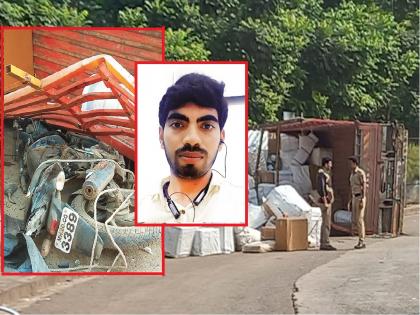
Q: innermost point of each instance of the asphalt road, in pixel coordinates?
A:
(384, 279)
(235, 283)
(245, 283)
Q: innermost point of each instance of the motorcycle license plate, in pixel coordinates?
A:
(66, 230)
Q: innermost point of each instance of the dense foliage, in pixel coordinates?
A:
(340, 59)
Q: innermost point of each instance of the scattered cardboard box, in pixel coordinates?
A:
(271, 222)
(268, 233)
(300, 157)
(291, 234)
(308, 142)
(266, 176)
(272, 210)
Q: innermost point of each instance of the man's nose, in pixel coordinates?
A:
(192, 136)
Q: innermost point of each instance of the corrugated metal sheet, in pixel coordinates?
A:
(370, 161)
(294, 125)
(342, 144)
(57, 49)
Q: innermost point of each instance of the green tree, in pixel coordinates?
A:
(413, 163)
(40, 12)
(354, 59)
(338, 59)
(181, 44)
(359, 67)
(270, 36)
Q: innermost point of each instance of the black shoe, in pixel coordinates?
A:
(360, 245)
(327, 247)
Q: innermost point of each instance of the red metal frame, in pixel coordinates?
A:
(59, 99)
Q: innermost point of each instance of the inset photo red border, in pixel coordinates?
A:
(68, 120)
(191, 143)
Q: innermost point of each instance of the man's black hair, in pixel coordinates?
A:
(196, 88)
(354, 159)
(325, 160)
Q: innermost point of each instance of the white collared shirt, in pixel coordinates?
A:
(223, 203)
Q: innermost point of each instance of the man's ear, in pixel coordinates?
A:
(161, 137)
(222, 139)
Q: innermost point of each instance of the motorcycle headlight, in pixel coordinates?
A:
(60, 180)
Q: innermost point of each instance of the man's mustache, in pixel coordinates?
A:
(189, 148)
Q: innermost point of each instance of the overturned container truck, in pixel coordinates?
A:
(300, 144)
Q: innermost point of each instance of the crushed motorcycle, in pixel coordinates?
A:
(96, 211)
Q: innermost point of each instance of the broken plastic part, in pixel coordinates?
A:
(60, 181)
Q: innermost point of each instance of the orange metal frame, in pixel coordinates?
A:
(58, 102)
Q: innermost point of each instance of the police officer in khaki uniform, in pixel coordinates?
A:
(326, 193)
(357, 202)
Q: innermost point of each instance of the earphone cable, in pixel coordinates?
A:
(192, 203)
(226, 151)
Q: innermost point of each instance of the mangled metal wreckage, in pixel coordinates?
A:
(74, 164)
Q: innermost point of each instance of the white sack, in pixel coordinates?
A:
(227, 240)
(206, 242)
(178, 241)
(302, 179)
(245, 235)
(288, 142)
(256, 216)
(288, 200)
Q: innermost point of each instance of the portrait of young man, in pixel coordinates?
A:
(192, 115)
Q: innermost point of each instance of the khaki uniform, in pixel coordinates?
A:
(325, 210)
(358, 204)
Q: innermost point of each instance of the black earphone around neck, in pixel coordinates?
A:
(197, 200)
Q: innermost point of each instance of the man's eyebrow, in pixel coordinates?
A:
(207, 118)
(178, 116)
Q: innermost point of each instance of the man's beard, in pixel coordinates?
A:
(188, 171)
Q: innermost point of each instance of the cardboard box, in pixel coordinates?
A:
(272, 210)
(266, 176)
(292, 233)
(300, 157)
(268, 233)
(308, 142)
